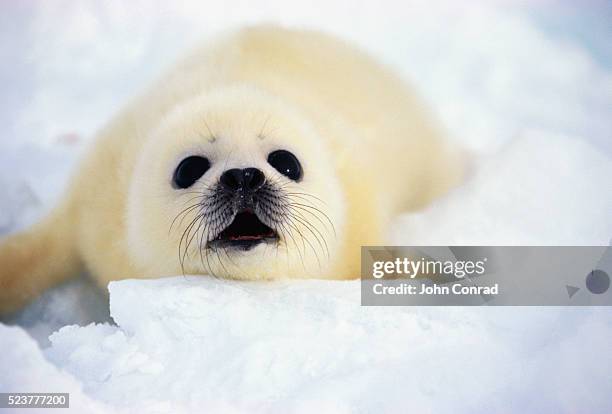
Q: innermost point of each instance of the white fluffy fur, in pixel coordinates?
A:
(366, 146)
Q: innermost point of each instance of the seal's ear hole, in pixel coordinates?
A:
(286, 163)
(189, 171)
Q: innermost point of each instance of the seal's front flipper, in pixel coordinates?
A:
(35, 259)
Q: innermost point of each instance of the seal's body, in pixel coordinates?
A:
(269, 154)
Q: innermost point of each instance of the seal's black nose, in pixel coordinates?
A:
(248, 179)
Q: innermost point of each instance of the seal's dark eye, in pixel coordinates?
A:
(286, 163)
(189, 171)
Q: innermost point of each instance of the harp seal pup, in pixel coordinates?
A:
(269, 153)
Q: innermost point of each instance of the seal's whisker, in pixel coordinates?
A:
(297, 248)
(183, 213)
(290, 214)
(317, 210)
(201, 240)
(185, 234)
(312, 229)
(184, 193)
(327, 225)
(229, 258)
(199, 197)
(261, 135)
(304, 240)
(302, 195)
(308, 226)
(210, 269)
(189, 239)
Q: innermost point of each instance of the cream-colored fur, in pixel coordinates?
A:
(366, 145)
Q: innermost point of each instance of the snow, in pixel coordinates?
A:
(533, 192)
(527, 87)
(288, 346)
(25, 369)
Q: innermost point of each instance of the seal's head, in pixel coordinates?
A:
(237, 184)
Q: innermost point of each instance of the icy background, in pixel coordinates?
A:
(526, 86)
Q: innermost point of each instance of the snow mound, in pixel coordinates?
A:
(539, 189)
(29, 369)
(197, 343)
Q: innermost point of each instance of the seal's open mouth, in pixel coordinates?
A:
(245, 232)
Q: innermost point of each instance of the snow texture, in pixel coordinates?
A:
(308, 346)
(527, 87)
